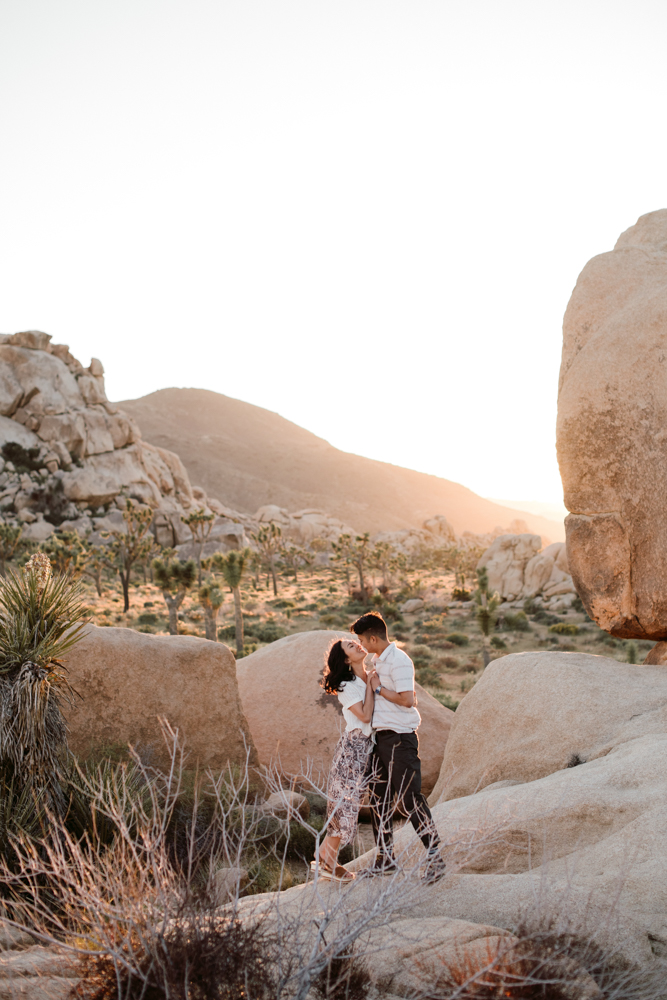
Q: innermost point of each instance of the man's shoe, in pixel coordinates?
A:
(382, 866)
(434, 869)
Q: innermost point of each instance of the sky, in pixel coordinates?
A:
(366, 216)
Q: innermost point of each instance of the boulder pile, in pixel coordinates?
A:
(519, 568)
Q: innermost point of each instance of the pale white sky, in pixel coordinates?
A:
(368, 216)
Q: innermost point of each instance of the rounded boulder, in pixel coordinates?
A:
(293, 720)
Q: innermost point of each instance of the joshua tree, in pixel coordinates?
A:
(343, 555)
(42, 618)
(359, 553)
(211, 599)
(66, 551)
(269, 541)
(295, 556)
(10, 543)
(487, 615)
(131, 545)
(200, 524)
(380, 558)
(174, 578)
(96, 560)
(232, 567)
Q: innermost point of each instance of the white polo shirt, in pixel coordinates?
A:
(397, 673)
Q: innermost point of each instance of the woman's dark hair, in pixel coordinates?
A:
(337, 670)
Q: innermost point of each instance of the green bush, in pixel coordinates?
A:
(147, 618)
(268, 632)
(564, 628)
(23, 459)
(460, 594)
(446, 700)
(516, 623)
(458, 638)
(497, 642)
(544, 618)
(448, 664)
(427, 676)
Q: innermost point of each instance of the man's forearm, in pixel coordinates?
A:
(405, 699)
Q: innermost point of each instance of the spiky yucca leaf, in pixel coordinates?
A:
(38, 623)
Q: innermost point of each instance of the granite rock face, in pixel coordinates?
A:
(612, 432)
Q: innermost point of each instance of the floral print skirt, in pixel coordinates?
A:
(347, 784)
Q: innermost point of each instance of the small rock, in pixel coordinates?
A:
(11, 938)
(412, 606)
(286, 804)
(227, 882)
(26, 516)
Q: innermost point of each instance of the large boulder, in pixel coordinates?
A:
(612, 442)
(592, 703)
(291, 718)
(128, 681)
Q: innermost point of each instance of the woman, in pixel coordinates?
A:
(346, 677)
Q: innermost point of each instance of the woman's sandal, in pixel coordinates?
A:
(340, 874)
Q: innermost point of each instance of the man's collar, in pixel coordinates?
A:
(383, 654)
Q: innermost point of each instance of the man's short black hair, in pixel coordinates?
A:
(372, 623)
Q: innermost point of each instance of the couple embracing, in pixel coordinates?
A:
(378, 752)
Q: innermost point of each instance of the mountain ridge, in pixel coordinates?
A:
(249, 457)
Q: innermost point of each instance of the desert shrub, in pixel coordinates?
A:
(446, 700)
(23, 459)
(468, 682)
(458, 638)
(461, 594)
(269, 632)
(346, 977)
(309, 607)
(423, 651)
(497, 642)
(447, 664)
(427, 676)
(543, 617)
(516, 622)
(564, 628)
(147, 618)
(50, 500)
(530, 607)
(282, 604)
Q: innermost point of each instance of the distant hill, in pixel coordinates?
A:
(247, 457)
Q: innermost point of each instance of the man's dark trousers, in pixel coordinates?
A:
(396, 770)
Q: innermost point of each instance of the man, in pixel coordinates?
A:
(395, 759)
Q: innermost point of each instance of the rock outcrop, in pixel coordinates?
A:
(612, 441)
(291, 718)
(593, 703)
(129, 680)
(518, 568)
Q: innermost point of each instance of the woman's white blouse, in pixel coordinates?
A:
(354, 693)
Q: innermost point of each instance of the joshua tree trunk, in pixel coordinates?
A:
(273, 577)
(173, 603)
(124, 575)
(238, 620)
(211, 623)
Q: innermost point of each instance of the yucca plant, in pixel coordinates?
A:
(487, 616)
(41, 619)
